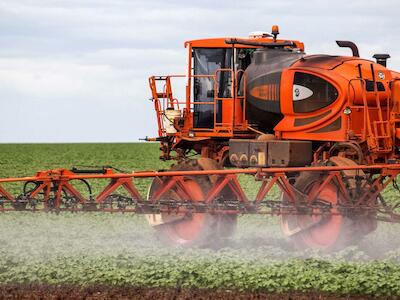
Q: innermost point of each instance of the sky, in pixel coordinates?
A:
(77, 70)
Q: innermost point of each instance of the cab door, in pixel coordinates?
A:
(206, 65)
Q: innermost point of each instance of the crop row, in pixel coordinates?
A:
(374, 278)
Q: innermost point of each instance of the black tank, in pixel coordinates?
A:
(263, 77)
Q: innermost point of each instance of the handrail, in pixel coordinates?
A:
(163, 100)
(243, 97)
(217, 98)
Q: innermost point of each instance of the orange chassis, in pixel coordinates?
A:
(53, 188)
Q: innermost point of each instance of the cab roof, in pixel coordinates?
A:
(220, 42)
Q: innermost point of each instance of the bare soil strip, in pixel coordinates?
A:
(104, 292)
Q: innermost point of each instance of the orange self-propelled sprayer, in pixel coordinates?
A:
(324, 129)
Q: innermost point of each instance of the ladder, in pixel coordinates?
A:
(382, 132)
(382, 136)
(378, 132)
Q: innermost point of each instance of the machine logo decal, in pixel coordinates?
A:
(381, 75)
(268, 92)
(301, 92)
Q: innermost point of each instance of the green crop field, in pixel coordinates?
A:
(121, 250)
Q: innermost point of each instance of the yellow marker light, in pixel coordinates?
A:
(275, 30)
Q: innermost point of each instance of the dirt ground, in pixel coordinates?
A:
(104, 292)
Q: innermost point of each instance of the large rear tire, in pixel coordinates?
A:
(331, 232)
(195, 229)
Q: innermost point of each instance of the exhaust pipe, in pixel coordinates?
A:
(351, 45)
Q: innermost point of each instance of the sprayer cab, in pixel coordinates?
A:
(215, 105)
